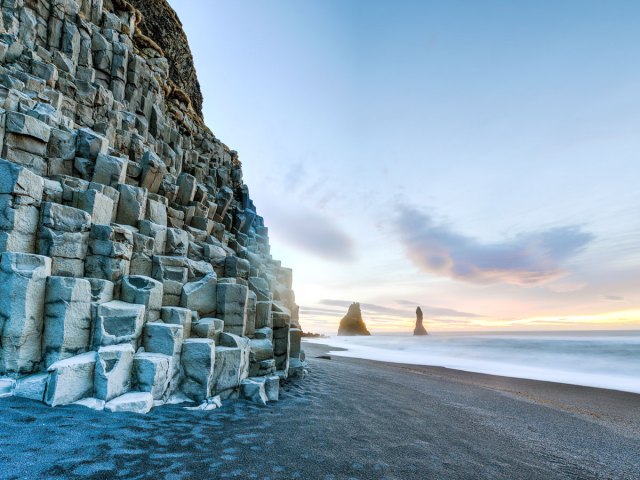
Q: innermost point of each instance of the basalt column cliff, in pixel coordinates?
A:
(133, 263)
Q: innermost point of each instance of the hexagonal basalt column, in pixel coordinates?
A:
(232, 301)
(23, 278)
(117, 322)
(63, 236)
(232, 363)
(144, 291)
(67, 318)
(152, 373)
(113, 371)
(71, 379)
(200, 295)
(198, 361)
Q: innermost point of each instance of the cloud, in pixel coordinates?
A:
(566, 286)
(315, 188)
(293, 177)
(614, 298)
(400, 312)
(438, 311)
(366, 307)
(320, 311)
(527, 259)
(311, 232)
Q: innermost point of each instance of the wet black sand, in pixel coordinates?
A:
(348, 419)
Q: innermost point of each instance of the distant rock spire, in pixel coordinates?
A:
(352, 323)
(419, 330)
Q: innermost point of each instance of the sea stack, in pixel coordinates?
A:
(352, 323)
(419, 330)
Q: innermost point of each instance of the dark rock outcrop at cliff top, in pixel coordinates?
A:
(419, 330)
(161, 23)
(352, 323)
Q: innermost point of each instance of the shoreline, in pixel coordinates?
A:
(349, 418)
(613, 408)
(616, 378)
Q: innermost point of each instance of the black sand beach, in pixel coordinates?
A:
(348, 419)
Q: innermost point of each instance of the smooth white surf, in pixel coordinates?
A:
(596, 359)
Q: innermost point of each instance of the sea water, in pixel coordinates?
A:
(596, 359)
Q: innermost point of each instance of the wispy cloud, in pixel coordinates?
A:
(312, 186)
(312, 232)
(293, 177)
(614, 298)
(438, 311)
(400, 312)
(321, 311)
(527, 259)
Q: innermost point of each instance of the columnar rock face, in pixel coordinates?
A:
(133, 263)
(67, 318)
(352, 323)
(419, 330)
(23, 279)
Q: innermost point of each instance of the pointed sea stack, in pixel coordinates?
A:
(352, 323)
(419, 330)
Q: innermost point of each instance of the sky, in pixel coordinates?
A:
(477, 158)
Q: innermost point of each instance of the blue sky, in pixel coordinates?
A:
(479, 158)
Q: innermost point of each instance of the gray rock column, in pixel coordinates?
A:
(67, 318)
(152, 373)
(198, 361)
(20, 195)
(178, 316)
(63, 236)
(163, 338)
(232, 363)
(264, 315)
(153, 171)
(112, 376)
(23, 280)
(70, 379)
(261, 360)
(200, 295)
(144, 291)
(173, 273)
(110, 250)
(232, 307)
(208, 328)
(110, 170)
(281, 325)
(132, 204)
(251, 314)
(117, 322)
(96, 204)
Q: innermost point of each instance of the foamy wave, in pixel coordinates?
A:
(593, 359)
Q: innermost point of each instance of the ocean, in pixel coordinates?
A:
(608, 359)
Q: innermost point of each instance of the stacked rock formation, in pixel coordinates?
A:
(133, 263)
(419, 329)
(352, 323)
